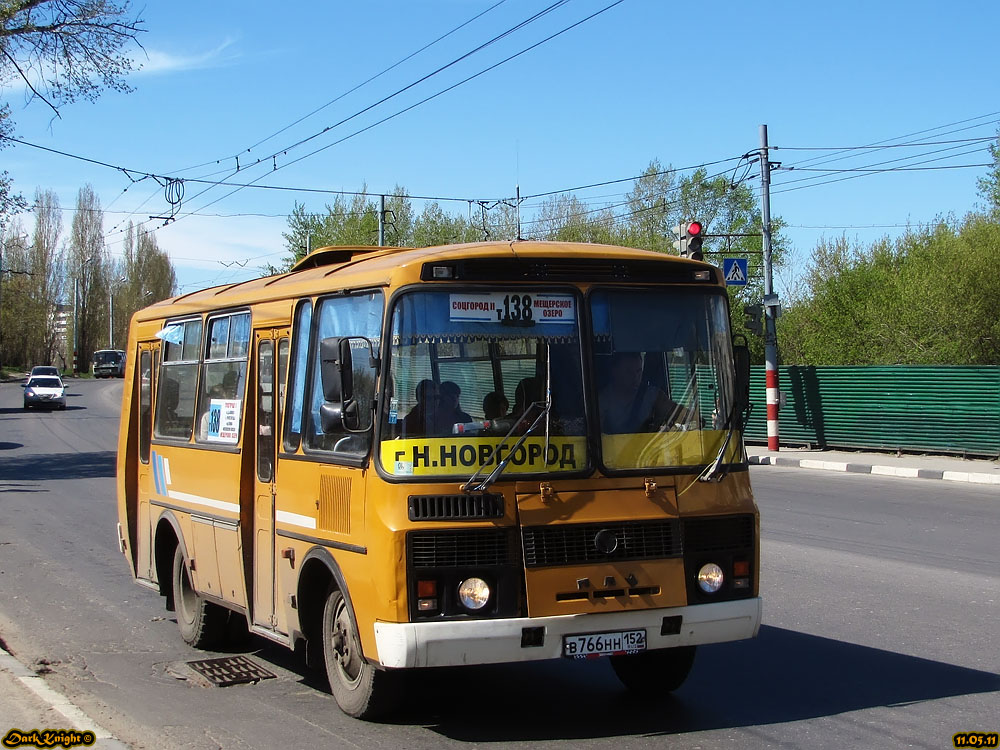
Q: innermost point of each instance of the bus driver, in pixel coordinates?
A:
(629, 404)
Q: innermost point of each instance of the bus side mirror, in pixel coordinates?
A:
(339, 410)
(741, 359)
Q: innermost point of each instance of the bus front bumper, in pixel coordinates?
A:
(444, 644)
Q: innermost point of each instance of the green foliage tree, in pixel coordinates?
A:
(435, 227)
(32, 288)
(929, 297)
(989, 186)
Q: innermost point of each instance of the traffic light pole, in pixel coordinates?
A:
(770, 300)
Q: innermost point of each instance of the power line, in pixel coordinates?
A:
(517, 27)
(355, 88)
(427, 99)
(869, 148)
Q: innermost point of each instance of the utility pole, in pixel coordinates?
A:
(770, 301)
(381, 221)
(76, 319)
(517, 210)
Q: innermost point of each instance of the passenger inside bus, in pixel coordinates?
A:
(216, 391)
(495, 405)
(629, 403)
(169, 423)
(449, 410)
(423, 418)
(527, 397)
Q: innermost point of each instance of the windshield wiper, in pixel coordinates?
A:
(717, 470)
(485, 483)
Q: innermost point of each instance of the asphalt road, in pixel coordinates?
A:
(880, 625)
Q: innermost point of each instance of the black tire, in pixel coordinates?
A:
(660, 671)
(361, 689)
(202, 623)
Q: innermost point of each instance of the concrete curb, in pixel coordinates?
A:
(908, 472)
(56, 701)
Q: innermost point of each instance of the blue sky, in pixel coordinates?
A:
(684, 83)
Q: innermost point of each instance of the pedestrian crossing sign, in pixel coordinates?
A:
(735, 271)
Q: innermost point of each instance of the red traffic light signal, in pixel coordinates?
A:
(695, 238)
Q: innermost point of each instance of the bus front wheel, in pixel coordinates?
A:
(361, 690)
(662, 670)
(202, 623)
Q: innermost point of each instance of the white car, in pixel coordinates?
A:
(45, 390)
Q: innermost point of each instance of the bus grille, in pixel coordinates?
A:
(574, 544)
(730, 533)
(458, 549)
(455, 507)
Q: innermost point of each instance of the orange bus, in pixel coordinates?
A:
(402, 458)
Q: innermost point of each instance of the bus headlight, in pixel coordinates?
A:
(473, 593)
(710, 578)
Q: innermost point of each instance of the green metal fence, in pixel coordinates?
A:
(945, 409)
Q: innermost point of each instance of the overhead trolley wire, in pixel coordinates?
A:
(353, 89)
(425, 100)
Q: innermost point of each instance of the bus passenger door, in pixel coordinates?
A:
(272, 360)
(148, 355)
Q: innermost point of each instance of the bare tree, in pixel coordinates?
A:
(62, 50)
(145, 276)
(48, 276)
(88, 270)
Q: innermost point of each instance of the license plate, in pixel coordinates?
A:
(592, 645)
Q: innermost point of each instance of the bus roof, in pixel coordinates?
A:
(330, 268)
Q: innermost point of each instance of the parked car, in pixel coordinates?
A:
(44, 370)
(45, 390)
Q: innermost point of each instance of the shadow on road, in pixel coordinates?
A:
(10, 446)
(40, 467)
(38, 410)
(782, 676)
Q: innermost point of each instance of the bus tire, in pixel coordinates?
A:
(202, 623)
(660, 671)
(360, 689)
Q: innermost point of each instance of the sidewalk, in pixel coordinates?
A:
(27, 703)
(911, 466)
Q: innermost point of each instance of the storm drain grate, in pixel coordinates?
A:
(230, 670)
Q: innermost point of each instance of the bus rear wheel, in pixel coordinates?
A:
(202, 623)
(360, 689)
(659, 671)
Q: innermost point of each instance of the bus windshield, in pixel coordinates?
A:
(662, 361)
(108, 357)
(467, 368)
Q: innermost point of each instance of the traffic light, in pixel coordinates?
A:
(754, 321)
(689, 239)
(695, 237)
(680, 244)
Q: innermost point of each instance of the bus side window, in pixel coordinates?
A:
(265, 410)
(224, 374)
(145, 404)
(356, 315)
(178, 384)
(297, 378)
